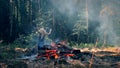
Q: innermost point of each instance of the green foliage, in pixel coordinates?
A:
(89, 45)
(21, 19)
(43, 19)
(84, 45)
(26, 41)
(7, 53)
(4, 55)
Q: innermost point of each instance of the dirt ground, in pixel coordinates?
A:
(88, 58)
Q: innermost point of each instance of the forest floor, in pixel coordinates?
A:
(108, 57)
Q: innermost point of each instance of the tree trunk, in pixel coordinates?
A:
(11, 19)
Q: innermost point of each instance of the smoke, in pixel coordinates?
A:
(102, 11)
(106, 13)
(67, 7)
(106, 19)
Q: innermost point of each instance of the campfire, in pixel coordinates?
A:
(57, 51)
(61, 53)
(48, 54)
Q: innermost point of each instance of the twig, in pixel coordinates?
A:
(91, 60)
(93, 53)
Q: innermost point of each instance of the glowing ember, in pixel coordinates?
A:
(68, 55)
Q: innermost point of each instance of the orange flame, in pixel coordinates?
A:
(68, 55)
(51, 53)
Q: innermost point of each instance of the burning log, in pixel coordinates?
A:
(49, 54)
(55, 54)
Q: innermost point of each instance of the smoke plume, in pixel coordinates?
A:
(103, 11)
